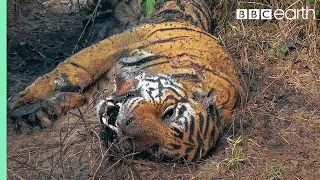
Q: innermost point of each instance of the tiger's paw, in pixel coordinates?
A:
(40, 114)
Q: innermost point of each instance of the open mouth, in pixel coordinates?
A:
(108, 114)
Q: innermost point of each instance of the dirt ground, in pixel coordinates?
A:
(275, 136)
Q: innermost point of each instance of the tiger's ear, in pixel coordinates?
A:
(209, 99)
(124, 85)
(203, 97)
(212, 109)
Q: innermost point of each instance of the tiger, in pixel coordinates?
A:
(175, 87)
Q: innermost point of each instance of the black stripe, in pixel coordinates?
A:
(178, 133)
(155, 64)
(181, 111)
(160, 88)
(149, 91)
(186, 124)
(183, 100)
(185, 76)
(144, 60)
(217, 117)
(206, 8)
(189, 18)
(78, 66)
(189, 149)
(192, 126)
(205, 133)
(173, 15)
(180, 28)
(199, 149)
(173, 90)
(186, 54)
(211, 116)
(169, 13)
(133, 102)
(170, 97)
(201, 122)
(163, 41)
(200, 8)
(175, 146)
(200, 19)
(185, 157)
(151, 80)
(135, 107)
(238, 101)
(178, 87)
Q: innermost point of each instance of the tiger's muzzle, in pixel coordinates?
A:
(108, 112)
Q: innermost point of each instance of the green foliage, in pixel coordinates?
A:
(301, 117)
(310, 1)
(318, 15)
(147, 6)
(274, 173)
(284, 50)
(287, 46)
(234, 155)
(318, 10)
(271, 56)
(242, 6)
(273, 27)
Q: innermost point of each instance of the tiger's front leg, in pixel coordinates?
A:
(50, 96)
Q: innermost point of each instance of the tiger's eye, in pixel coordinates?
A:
(168, 114)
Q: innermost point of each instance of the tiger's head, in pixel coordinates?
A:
(159, 117)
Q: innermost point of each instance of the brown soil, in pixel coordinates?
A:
(275, 136)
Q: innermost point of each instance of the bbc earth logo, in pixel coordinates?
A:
(279, 14)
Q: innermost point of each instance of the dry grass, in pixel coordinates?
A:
(279, 127)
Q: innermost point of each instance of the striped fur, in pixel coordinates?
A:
(70, 6)
(175, 86)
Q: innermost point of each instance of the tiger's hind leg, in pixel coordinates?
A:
(64, 6)
(72, 6)
(126, 12)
